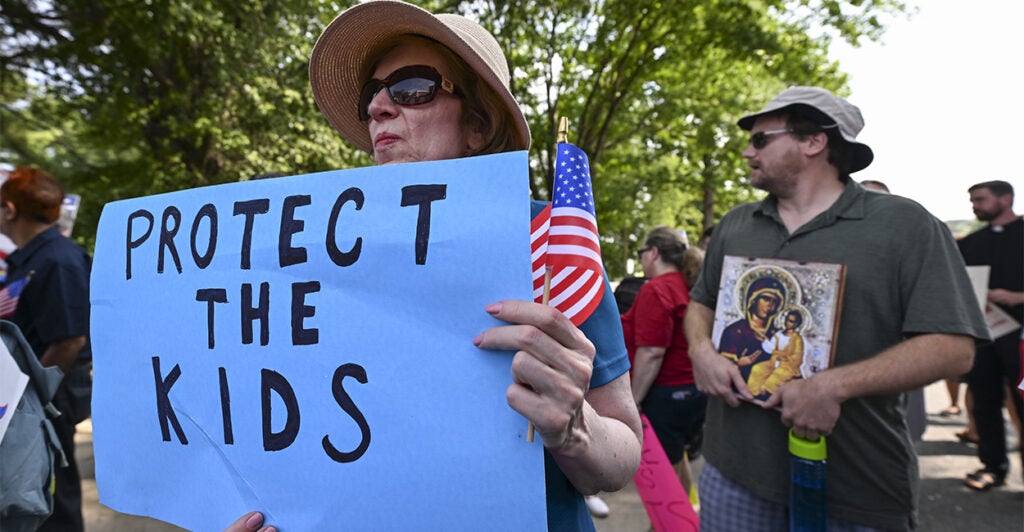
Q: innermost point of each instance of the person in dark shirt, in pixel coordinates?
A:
(53, 314)
(996, 370)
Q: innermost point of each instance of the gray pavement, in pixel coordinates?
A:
(946, 504)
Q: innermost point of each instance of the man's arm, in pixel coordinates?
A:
(715, 375)
(62, 353)
(811, 406)
(646, 365)
(1006, 297)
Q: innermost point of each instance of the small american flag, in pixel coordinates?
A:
(564, 238)
(9, 296)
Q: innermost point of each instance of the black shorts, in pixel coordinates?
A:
(677, 416)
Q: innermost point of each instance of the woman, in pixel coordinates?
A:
(406, 85)
(742, 340)
(663, 385)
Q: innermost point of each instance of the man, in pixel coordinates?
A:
(1000, 245)
(908, 317)
(53, 314)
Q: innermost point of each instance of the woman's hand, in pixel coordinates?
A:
(593, 435)
(551, 368)
(747, 360)
(249, 522)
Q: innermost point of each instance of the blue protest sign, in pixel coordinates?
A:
(303, 346)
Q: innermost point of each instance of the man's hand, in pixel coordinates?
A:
(714, 374)
(1006, 297)
(717, 376)
(809, 406)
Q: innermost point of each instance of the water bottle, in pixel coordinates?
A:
(808, 506)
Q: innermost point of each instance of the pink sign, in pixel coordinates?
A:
(665, 500)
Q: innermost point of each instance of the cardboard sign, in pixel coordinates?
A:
(303, 346)
(667, 504)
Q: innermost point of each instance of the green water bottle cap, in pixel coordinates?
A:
(807, 449)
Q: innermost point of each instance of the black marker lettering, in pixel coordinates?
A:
(225, 407)
(132, 244)
(422, 195)
(260, 312)
(163, 403)
(167, 233)
(250, 209)
(210, 212)
(286, 254)
(211, 296)
(275, 441)
(344, 258)
(300, 311)
(350, 408)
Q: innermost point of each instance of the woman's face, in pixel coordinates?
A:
(427, 132)
(766, 306)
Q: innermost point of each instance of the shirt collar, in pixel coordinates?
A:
(850, 205)
(23, 254)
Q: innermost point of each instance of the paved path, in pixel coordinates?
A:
(946, 504)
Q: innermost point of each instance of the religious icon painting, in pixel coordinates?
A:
(777, 319)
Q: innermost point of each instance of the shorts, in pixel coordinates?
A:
(677, 416)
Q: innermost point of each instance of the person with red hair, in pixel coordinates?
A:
(53, 314)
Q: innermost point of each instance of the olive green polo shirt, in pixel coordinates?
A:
(904, 276)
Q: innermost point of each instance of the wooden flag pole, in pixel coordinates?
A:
(544, 301)
(563, 134)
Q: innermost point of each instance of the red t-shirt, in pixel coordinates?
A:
(656, 320)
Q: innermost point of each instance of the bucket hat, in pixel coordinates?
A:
(829, 110)
(347, 49)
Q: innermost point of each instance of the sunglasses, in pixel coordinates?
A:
(640, 252)
(411, 85)
(760, 139)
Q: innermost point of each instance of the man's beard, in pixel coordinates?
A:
(987, 216)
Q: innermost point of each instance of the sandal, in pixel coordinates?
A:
(984, 480)
(965, 437)
(952, 410)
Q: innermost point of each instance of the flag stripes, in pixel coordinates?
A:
(564, 237)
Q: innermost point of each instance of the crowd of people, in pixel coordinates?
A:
(407, 85)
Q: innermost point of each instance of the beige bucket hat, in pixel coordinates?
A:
(346, 50)
(830, 111)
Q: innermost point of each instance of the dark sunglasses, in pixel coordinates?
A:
(640, 252)
(760, 139)
(411, 85)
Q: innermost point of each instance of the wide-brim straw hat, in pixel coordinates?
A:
(350, 45)
(828, 110)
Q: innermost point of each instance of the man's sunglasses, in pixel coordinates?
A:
(760, 139)
(411, 85)
(640, 252)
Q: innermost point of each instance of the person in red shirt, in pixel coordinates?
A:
(662, 375)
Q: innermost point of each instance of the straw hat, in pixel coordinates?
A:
(829, 110)
(351, 44)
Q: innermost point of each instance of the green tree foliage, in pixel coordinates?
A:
(122, 99)
(653, 89)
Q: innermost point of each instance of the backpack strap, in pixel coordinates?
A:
(45, 380)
